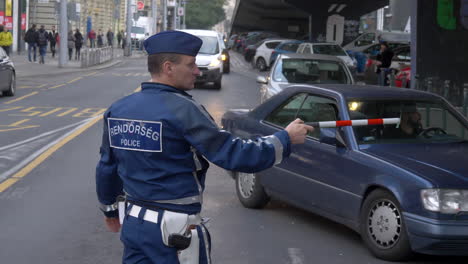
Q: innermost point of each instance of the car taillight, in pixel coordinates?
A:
(238, 40)
(273, 52)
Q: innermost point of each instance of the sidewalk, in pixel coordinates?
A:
(24, 68)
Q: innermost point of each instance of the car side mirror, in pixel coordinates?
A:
(262, 79)
(332, 136)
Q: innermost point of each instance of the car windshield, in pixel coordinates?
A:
(209, 46)
(138, 30)
(420, 122)
(333, 50)
(309, 71)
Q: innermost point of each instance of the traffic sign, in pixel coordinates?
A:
(180, 11)
(140, 5)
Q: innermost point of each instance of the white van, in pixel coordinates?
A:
(209, 59)
(372, 37)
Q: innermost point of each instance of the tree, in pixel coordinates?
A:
(203, 14)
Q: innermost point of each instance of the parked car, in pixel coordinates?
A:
(303, 68)
(374, 37)
(284, 48)
(232, 41)
(328, 49)
(210, 57)
(254, 37)
(251, 50)
(365, 55)
(401, 57)
(7, 74)
(402, 194)
(403, 78)
(263, 52)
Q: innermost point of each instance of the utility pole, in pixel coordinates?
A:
(63, 59)
(154, 14)
(174, 25)
(184, 2)
(128, 47)
(165, 15)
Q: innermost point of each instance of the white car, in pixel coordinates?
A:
(293, 68)
(263, 53)
(210, 57)
(331, 49)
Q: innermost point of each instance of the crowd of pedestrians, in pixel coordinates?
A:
(39, 39)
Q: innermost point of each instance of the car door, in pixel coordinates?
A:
(317, 175)
(4, 71)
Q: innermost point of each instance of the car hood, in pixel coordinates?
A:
(445, 165)
(276, 87)
(204, 59)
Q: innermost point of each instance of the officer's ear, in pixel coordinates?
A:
(167, 67)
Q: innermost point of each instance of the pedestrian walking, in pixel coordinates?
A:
(78, 44)
(119, 38)
(92, 38)
(42, 37)
(31, 39)
(100, 40)
(53, 36)
(6, 39)
(110, 38)
(154, 151)
(70, 44)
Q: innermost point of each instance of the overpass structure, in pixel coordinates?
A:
(439, 53)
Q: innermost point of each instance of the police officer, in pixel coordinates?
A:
(154, 152)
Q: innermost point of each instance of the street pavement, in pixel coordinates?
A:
(50, 213)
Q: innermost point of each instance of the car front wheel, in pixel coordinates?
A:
(261, 64)
(11, 91)
(382, 227)
(249, 190)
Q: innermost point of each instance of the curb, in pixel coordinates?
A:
(71, 70)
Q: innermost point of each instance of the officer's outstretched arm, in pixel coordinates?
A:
(108, 183)
(227, 151)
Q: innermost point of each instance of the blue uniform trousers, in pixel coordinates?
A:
(143, 242)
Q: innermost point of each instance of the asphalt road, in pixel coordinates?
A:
(49, 211)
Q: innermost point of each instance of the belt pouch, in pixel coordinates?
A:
(173, 223)
(191, 255)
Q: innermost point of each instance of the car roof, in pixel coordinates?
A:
(310, 56)
(366, 91)
(201, 32)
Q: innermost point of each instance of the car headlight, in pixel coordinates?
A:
(447, 201)
(214, 63)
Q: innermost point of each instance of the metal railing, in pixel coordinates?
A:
(96, 56)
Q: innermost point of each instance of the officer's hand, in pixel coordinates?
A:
(112, 224)
(297, 131)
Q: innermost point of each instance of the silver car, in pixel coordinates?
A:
(296, 68)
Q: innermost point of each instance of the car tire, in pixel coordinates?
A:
(261, 64)
(227, 68)
(11, 91)
(249, 190)
(217, 83)
(382, 227)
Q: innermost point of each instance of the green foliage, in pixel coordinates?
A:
(204, 14)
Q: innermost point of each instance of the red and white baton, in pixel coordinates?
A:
(358, 122)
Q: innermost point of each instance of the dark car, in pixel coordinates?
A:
(7, 75)
(283, 48)
(403, 191)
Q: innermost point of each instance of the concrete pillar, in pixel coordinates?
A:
(401, 11)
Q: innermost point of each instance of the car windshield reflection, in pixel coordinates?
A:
(309, 71)
(421, 122)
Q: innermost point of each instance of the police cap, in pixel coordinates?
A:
(173, 42)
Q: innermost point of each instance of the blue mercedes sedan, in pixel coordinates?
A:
(403, 187)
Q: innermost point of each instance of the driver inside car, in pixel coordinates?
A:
(410, 124)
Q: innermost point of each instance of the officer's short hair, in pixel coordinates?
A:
(156, 61)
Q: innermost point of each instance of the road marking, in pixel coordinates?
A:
(16, 126)
(24, 87)
(21, 98)
(46, 152)
(74, 80)
(42, 85)
(91, 74)
(7, 183)
(57, 86)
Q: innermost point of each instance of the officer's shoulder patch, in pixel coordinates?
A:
(137, 135)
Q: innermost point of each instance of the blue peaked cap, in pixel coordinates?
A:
(173, 42)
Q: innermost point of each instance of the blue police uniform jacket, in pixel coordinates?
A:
(154, 147)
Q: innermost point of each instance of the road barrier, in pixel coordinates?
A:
(95, 56)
